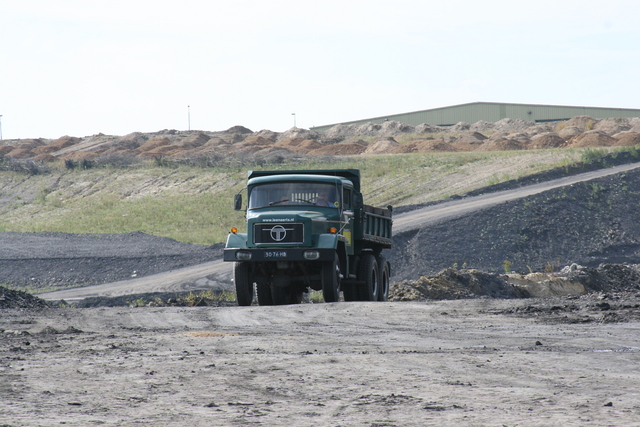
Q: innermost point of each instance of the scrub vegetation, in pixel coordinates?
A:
(194, 204)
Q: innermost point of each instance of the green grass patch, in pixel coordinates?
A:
(195, 205)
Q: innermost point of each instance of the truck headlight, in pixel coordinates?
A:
(243, 255)
(311, 255)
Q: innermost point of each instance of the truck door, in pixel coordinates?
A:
(347, 218)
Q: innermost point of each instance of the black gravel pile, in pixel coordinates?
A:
(18, 299)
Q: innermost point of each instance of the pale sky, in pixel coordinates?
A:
(80, 68)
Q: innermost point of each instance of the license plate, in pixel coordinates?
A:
(275, 254)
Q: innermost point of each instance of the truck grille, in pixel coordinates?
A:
(278, 233)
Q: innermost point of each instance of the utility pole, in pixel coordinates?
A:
(294, 119)
(0, 127)
(188, 117)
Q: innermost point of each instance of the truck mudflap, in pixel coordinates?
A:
(279, 254)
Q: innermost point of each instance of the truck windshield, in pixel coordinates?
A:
(294, 193)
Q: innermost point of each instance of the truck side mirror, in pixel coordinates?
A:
(357, 201)
(237, 202)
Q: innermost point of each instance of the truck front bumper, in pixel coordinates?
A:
(279, 254)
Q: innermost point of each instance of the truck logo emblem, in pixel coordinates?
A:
(278, 233)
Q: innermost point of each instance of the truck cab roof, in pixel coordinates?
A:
(350, 176)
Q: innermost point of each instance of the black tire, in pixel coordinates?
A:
(244, 284)
(383, 288)
(369, 273)
(331, 280)
(263, 291)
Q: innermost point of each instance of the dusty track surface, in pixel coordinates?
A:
(467, 362)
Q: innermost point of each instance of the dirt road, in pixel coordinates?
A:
(466, 362)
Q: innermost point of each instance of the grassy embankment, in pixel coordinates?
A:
(194, 205)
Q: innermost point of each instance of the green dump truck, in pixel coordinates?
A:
(309, 229)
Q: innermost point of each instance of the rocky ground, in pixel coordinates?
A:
(491, 362)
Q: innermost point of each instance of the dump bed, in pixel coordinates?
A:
(376, 225)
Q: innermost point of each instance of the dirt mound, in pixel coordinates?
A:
(193, 141)
(382, 145)
(44, 149)
(592, 139)
(502, 144)
(427, 128)
(78, 156)
(45, 157)
(460, 127)
(20, 153)
(342, 148)
(422, 146)
(482, 126)
(30, 144)
(571, 280)
(467, 141)
(546, 140)
(455, 284)
(270, 135)
(512, 125)
(6, 149)
(583, 123)
(611, 126)
(239, 129)
(154, 143)
(252, 145)
(393, 127)
(293, 133)
(18, 299)
(64, 142)
(628, 138)
(569, 132)
(299, 145)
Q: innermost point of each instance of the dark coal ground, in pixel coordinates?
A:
(37, 261)
(589, 223)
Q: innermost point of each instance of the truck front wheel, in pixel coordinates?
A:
(244, 284)
(331, 280)
(369, 273)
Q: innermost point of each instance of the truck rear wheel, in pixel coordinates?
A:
(331, 280)
(369, 273)
(244, 284)
(383, 289)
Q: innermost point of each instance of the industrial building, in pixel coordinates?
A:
(493, 112)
